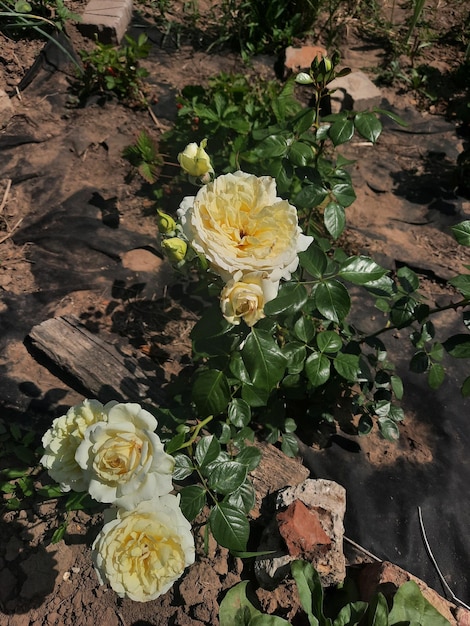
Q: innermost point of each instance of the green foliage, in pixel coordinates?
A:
(143, 157)
(22, 16)
(410, 607)
(110, 71)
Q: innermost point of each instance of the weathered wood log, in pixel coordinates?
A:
(97, 367)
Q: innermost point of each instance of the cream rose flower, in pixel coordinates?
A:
(63, 438)
(124, 458)
(238, 223)
(244, 297)
(141, 552)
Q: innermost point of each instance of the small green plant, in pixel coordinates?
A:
(409, 607)
(109, 71)
(144, 157)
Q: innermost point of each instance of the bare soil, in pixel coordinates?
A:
(61, 166)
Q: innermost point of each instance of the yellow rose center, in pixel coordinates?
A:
(118, 457)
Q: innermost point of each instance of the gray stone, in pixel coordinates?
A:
(328, 500)
(6, 109)
(354, 92)
(108, 19)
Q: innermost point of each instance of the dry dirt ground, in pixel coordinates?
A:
(76, 237)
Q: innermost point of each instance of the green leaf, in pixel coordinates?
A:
(268, 620)
(334, 218)
(458, 346)
(263, 359)
(329, 341)
(304, 329)
(295, 354)
(397, 386)
(351, 614)
(465, 390)
(254, 396)
(461, 232)
(207, 450)
(301, 154)
(314, 261)
(341, 131)
(310, 196)
(317, 369)
(436, 375)
(243, 498)
(368, 125)
(211, 392)
(410, 606)
(393, 116)
(289, 445)
(347, 366)
(239, 412)
(462, 284)
(419, 362)
(23, 7)
(183, 467)
(344, 193)
(377, 612)
(361, 270)
(272, 146)
(193, 499)
(291, 298)
(402, 311)
(388, 428)
(227, 476)
(304, 120)
(310, 591)
(229, 526)
(408, 279)
(236, 609)
(249, 456)
(332, 300)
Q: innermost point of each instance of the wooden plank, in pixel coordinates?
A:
(98, 367)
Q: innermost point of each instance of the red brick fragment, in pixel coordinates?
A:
(302, 531)
(301, 58)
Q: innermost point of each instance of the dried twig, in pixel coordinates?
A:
(5, 195)
(434, 562)
(361, 549)
(11, 231)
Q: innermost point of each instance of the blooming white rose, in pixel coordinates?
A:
(124, 458)
(141, 552)
(238, 223)
(244, 297)
(194, 160)
(63, 438)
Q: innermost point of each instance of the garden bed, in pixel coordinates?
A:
(78, 238)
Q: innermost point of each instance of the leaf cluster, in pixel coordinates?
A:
(114, 71)
(144, 157)
(409, 608)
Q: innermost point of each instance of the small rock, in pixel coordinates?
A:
(301, 530)
(387, 577)
(6, 109)
(354, 92)
(301, 58)
(324, 499)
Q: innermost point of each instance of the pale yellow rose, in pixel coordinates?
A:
(244, 297)
(124, 458)
(239, 224)
(141, 552)
(194, 160)
(63, 438)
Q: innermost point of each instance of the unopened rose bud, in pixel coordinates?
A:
(166, 224)
(303, 78)
(175, 249)
(194, 160)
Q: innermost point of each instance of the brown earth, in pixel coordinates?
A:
(66, 151)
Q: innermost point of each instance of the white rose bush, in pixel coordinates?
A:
(274, 350)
